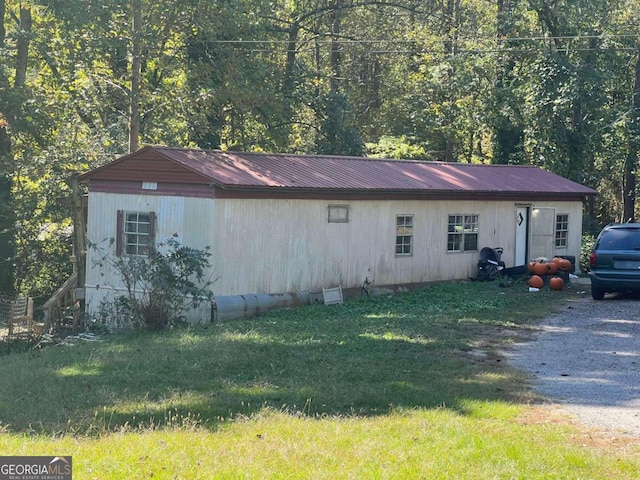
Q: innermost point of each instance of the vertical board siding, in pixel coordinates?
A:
(272, 246)
(288, 245)
(188, 220)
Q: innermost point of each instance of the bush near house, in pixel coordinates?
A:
(172, 279)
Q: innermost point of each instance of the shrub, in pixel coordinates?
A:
(161, 286)
(585, 250)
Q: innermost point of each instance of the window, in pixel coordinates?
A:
(562, 230)
(404, 234)
(338, 213)
(462, 233)
(136, 233)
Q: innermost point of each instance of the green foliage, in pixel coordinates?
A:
(159, 288)
(395, 147)
(456, 81)
(586, 247)
(7, 246)
(338, 135)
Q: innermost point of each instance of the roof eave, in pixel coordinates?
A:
(248, 191)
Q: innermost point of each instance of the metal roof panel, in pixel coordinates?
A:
(228, 169)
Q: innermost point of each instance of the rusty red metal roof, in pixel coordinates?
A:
(241, 170)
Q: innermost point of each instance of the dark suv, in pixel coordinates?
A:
(615, 260)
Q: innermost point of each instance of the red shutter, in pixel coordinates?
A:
(119, 233)
(152, 232)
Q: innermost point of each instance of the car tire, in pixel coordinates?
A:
(597, 293)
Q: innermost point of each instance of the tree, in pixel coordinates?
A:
(136, 71)
(508, 131)
(7, 219)
(631, 161)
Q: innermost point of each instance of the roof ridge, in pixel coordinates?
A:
(335, 156)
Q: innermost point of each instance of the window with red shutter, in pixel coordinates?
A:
(136, 233)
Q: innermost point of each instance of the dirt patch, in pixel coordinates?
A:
(587, 437)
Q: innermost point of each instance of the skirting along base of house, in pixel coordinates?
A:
(235, 307)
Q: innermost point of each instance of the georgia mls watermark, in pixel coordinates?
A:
(35, 468)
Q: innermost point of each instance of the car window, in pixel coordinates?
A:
(619, 239)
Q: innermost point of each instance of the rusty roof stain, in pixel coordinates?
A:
(226, 169)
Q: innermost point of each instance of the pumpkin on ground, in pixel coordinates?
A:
(552, 268)
(556, 283)
(536, 281)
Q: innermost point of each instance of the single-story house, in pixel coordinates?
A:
(280, 225)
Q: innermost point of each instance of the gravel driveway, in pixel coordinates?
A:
(587, 359)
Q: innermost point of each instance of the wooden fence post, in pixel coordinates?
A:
(11, 315)
(30, 314)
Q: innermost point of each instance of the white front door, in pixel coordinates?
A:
(522, 236)
(542, 232)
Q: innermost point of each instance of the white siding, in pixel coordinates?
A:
(190, 218)
(276, 246)
(288, 245)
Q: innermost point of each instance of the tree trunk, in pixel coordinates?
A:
(22, 46)
(136, 69)
(79, 232)
(2, 30)
(507, 141)
(288, 83)
(631, 162)
(7, 216)
(451, 26)
(336, 54)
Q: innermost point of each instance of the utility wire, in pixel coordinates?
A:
(442, 52)
(444, 38)
(259, 48)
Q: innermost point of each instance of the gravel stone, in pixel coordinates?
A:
(586, 358)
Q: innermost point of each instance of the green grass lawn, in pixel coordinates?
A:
(403, 386)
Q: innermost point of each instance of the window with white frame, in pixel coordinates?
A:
(404, 235)
(462, 233)
(136, 233)
(562, 230)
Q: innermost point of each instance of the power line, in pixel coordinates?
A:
(422, 51)
(462, 51)
(271, 45)
(443, 38)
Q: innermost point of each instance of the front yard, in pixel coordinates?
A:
(404, 386)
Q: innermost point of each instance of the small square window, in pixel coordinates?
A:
(338, 213)
(462, 233)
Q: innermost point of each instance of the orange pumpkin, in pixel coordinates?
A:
(556, 283)
(530, 266)
(552, 268)
(556, 260)
(540, 268)
(564, 265)
(536, 281)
